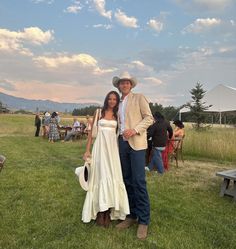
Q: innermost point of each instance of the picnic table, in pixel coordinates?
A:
(229, 176)
(63, 130)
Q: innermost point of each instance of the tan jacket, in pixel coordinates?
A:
(138, 116)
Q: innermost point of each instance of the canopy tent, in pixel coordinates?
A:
(220, 99)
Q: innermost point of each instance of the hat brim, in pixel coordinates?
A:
(116, 80)
(83, 176)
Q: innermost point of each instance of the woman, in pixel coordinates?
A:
(37, 123)
(53, 128)
(179, 129)
(106, 198)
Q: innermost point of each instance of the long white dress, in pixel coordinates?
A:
(106, 186)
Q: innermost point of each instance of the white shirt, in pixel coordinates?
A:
(76, 126)
(122, 108)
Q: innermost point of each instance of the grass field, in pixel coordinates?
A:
(41, 200)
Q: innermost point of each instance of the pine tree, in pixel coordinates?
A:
(197, 107)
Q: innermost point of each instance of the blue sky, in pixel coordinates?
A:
(68, 51)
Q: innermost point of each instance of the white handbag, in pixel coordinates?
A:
(95, 123)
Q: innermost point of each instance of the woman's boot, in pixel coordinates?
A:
(107, 219)
(100, 218)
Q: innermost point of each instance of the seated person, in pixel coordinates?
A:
(74, 131)
(159, 131)
(178, 134)
(82, 127)
(179, 129)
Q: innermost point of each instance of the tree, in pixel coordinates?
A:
(197, 107)
(3, 109)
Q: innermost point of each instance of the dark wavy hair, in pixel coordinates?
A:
(116, 107)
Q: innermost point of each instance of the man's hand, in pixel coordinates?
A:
(129, 133)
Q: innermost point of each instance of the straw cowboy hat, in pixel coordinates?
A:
(124, 76)
(83, 175)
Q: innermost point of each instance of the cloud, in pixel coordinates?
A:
(36, 36)
(212, 4)
(140, 66)
(154, 80)
(155, 25)
(73, 9)
(204, 5)
(100, 7)
(64, 92)
(126, 21)
(43, 1)
(12, 41)
(6, 85)
(202, 25)
(79, 62)
(232, 22)
(105, 26)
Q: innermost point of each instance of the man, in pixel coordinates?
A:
(158, 132)
(134, 119)
(74, 131)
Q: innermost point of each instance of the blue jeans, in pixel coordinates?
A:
(157, 160)
(132, 163)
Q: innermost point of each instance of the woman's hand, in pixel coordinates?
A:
(86, 155)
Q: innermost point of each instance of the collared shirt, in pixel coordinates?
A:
(122, 108)
(76, 126)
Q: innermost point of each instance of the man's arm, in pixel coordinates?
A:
(146, 115)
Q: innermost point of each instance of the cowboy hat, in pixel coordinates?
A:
(83, 175)
(124, 76)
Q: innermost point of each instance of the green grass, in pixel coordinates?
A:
(214, 144)
(41, 201)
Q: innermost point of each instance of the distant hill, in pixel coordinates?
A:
(15, 103)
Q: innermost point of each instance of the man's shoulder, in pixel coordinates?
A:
(138, 95)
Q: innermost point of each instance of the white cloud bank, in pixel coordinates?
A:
(126, 21)
(155, 25)
(13, 41)
(79, 61)
(100, 7)
(202, 25)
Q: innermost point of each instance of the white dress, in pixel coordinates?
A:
(106, 186)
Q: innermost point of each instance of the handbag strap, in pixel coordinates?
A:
(97, 117)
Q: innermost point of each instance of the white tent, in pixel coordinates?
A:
(220, 99)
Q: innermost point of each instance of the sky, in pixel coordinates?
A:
(69, 51)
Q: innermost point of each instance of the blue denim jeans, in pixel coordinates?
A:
(156, 160)
(132, 163)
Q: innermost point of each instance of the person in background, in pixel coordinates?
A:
(53, 128)
(106, 197)
(45, 124)
(74, 131)
(135, 117)
(160, 131)
(88, 125)
(179, 129)
(173, 142)
(58, 117)
(37, 123)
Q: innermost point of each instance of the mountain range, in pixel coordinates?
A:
(16, 103)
